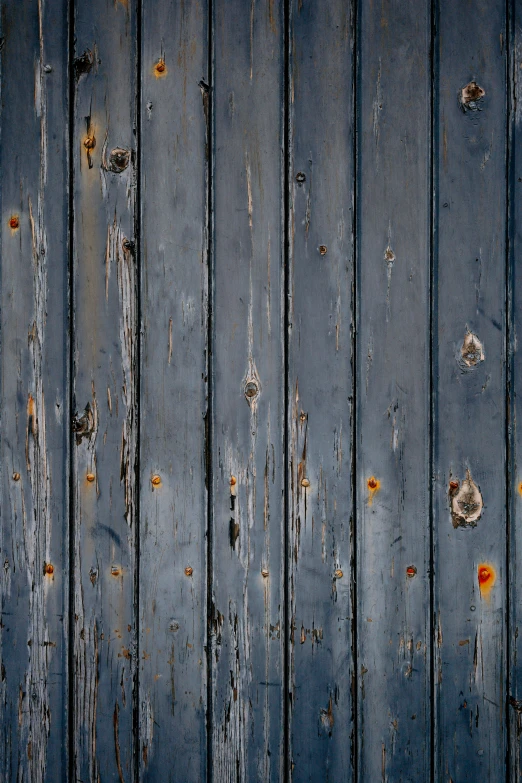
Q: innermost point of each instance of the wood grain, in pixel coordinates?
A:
(320, 391)
(104, 389)
(248, 393)
(34, 392)
(469, 393)
(173, 512)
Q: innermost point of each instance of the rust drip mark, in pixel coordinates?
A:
(470, 97)
(83, 64)
(115, 720)
(326, 719)
(160, 69)
(374, 486)
(14, 222)
(487, 577)
(471, 352)
(466, 502)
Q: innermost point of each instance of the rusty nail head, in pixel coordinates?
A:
(128, 244)
(484, 574)
(232, 481)
(338, 574)
(251, 389)
(454, 484)
(305, 482)
(372, 482)
(90, 477)
(16, 477)
(188, 571)
(48, 569)
(160, 66)
(264, 572)
(89, 143)
(14, 221)
(411, 571)
(323, 250)
(156, 480)
(115, 571)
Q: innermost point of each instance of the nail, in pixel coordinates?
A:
(188, 571)
(264, 572)
(156, 480)
(232, 481)
(323, 250)
(251, 389)
(89, 143)
(338, 574)
(411, 571)
(372, 482)
(90, 477)
(305, 482)
(48, 569)
(16, 477)
(14, 221)
(300, 177)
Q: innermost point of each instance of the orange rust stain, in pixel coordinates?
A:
(160, 69)
(487, 576)
(374, 486)
(89, 142)
(156, 480)
(232, 481)
(14, 221)
(520, 488)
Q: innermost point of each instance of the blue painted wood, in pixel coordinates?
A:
(320, 392)
(393, 382)
(469, 297)
(34, 404)
(247, 480)
(174, 281)
(104, 378)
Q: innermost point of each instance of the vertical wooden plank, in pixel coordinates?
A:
(320, 391)
(34, 399)
(392, 427)
(173, 497)
(248, 393)
(104, 387)
(469, 385)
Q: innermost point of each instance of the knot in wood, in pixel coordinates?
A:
(470, 96)
(119, 160)
(83, 425)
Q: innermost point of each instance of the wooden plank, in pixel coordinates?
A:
(320, 393)
(34, 399)
(469, 386)
(104, 388)
(392, 419)
(248, 393)
(514, 475)
(173, 577)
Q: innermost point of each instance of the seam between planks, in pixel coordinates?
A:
(286, 316)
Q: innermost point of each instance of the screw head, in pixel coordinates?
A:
(323, 250)
(305, 482)
(156, 480)
(189, 571)
(338, 574)
(90, 477)
(16, 477)
(89, 143)
(14, 221)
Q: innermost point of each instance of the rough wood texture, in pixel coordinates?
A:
(34, 396)
(248, 393)
(104, 385)
(259, 369)
(392, 427)
(320, 393)
(469, 388)
(174, 114)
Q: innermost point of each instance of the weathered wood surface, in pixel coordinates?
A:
(173, 488)
(247, 415)
(320, 391)
(260, 298)
(392, 418)
(469, 294)
(34, 402)
(105, 377)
